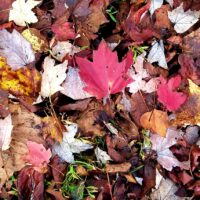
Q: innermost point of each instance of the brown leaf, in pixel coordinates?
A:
(157, 121)
(56, 194)
(4, 8)
(4, 111)
(115, 168)
(26, 127)
(30, 184)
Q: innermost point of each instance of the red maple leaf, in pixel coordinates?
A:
(105, 75)
(167, 94)
(63, 30)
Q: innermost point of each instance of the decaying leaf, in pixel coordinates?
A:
(37, 156)
(105, 75)
(115, 168)
(157, 54)
(164, 156)
(52, 77)
(183, 20)
(73, 85)
(36, 39)
(156, 120)
(17, 50)
(23, 82)
(70, 145)
(5, 132)
(187, 115)
(25, 127)
(21, 12)
(4, 111)
(102, 156)
(167, 94)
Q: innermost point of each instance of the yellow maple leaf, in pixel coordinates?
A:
(24, 82)
(190, 111)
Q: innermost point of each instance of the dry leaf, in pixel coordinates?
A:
(102, 156)
(17, 50)
(115, 168)
(156, 120)
(189, 112)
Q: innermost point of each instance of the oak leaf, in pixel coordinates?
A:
(105, 75)
(16, 49)
(21, 12)
(167, 94)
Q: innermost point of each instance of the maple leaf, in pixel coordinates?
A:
(21, 82)
(138, 76)
(105, 75)
(37, 156)
(161, 145)
(70, 145)
(52, 77)
(187, 115)
(21, 12)
(15, 49)
(183, 20)
(167, 94)
(63, 31)
(5, 132)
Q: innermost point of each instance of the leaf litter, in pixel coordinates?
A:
(99, 99)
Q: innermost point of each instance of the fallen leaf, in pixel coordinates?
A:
(155, 4)
(139, 75)
(183, 20)
(4, 14)
(36, 39)
(166, 190)
(25, 128)
(116, 168)
(5, 132)
(195, 154)
(74, 86)
(30, 184)
(21, 12)
(157, 54)
(70, 145)
(63, 30)
(37, 156)
(187, 115)
(52, 77)
(64, 48)
(156, 120)
(4, 111)
(164, 156)
(17, 50)
(101, 155)
(167, 94)
(24, 82)
(105, 75)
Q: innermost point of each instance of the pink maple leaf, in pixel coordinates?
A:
(63, 31)
(168, 95)
(37, 156)
(105, 75)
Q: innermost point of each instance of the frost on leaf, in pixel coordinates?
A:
(183, 20)
(73, 85)
(5, 132)
(52, 77)
(15, 49)
(139, 75)
(105, 75)
(157, 54)
(167, 94)
(21, 12)
(70, 145)
(38, 156)
(161, 145)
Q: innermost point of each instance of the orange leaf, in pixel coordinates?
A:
(157, 121)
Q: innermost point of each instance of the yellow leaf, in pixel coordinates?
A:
(157, 121)
(36, 39)
(190, 111)
(24, 82)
